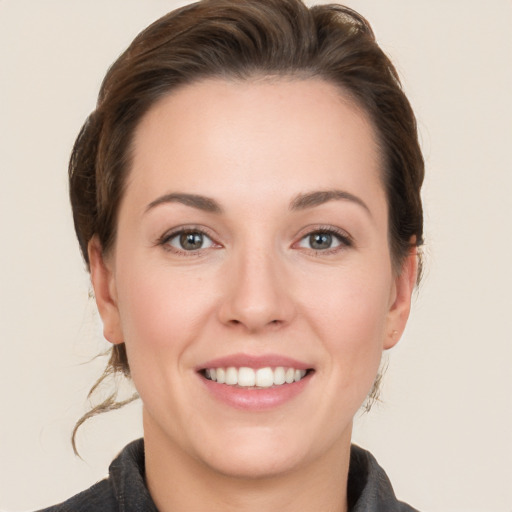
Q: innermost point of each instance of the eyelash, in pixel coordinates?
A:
(165, 240)
(344, 240)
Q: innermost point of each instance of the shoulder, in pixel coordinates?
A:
(124, 489)
(98, 497)
(369, 488)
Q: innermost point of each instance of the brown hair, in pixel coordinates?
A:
(242, 39)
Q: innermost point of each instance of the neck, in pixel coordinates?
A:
(179, 482)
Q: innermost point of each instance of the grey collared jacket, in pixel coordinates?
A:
(369, 489)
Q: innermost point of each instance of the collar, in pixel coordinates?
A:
(369, 489)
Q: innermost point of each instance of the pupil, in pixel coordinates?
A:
(191, 241)
(321, 241)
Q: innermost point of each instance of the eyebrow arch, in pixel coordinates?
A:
(195, 201)
(312, 199)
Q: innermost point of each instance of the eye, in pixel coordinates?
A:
(188, 240)
(323, 240)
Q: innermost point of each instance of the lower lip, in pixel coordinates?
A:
(253, 399)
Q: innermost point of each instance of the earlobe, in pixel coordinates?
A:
(103, 282)
(400, 307)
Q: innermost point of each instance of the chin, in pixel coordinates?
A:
(262, 452)
(254, 463)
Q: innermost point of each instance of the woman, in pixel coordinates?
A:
(246, 198)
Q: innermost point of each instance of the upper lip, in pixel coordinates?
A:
(254, 361)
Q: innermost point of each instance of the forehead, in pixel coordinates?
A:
(283, 134)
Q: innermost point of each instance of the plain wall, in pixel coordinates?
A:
(444, 429)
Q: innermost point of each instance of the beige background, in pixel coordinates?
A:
(444, 431)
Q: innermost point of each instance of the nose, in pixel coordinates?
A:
(258, 295)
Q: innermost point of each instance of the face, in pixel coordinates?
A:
(251, 277)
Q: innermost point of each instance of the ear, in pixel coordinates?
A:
(400, 299)
(103, 282)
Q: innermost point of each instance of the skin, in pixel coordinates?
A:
(256, 286)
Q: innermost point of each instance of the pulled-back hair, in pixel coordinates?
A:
(242, 40)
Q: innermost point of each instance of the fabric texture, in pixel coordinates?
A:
(369, 489)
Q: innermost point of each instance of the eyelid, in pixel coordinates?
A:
(343, 236)
(176, 231)
(345, 239)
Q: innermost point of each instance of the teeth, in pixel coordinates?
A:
(279, 376)
(260, 378)
(264, 377)
(220, 375)
(246, 377)
(231, 376)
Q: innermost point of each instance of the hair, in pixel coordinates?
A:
(241, 40)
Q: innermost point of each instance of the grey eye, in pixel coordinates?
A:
(190, 241)
(320, 241)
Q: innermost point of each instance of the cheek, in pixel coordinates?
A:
(162, 316)
(351, 300)
(161, 310)
(351, 320)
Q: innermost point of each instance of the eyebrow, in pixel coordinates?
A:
(316, 198)
(300, 202)
(200, 202)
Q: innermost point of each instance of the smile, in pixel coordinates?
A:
(254, 378)
(255, 382)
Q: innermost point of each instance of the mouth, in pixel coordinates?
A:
(255, 382)
(256, 378)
